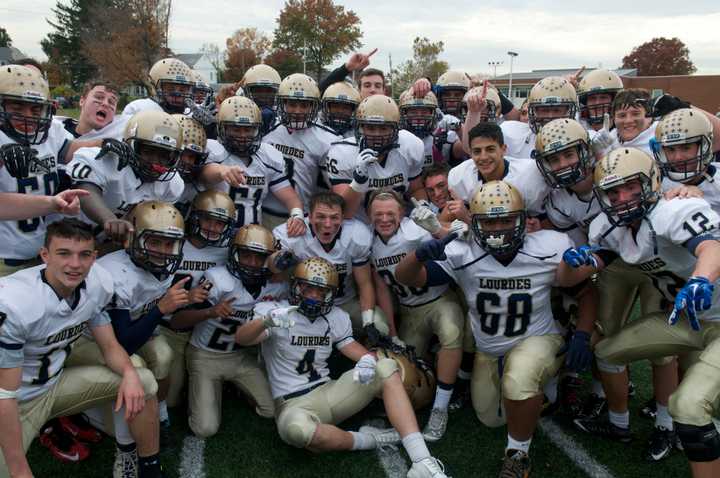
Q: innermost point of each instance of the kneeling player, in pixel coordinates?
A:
(506, 276)
(43, 310)
(296, 343)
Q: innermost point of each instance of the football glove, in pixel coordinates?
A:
(286, 260)
(579, 356)
(695, 295)
(364, 371)
(582, 256)
(17, 159)
(120, 149)
(280, 318)
(602, 142)
(360, 174)
(424, 217)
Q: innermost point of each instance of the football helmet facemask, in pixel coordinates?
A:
(298, 99)
(174, 83)
(313, 287)
(157, 242)
(157, 138)
(340, 93)
(418, 115)
(497, 202)
(25, 109)
(554, 94)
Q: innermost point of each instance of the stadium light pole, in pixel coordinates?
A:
(494, 65)
(512, 57)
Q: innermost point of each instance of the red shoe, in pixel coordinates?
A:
(79, 427)
(63, 446)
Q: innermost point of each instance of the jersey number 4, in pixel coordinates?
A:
(306, 365)
(519, 308)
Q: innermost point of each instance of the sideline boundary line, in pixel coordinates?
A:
(192, 461)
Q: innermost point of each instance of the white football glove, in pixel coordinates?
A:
(360, 175)
(397, 341)
(602, 142)
(449, 123)
(280, 317)
(424, 217)
(460, 228)
(364, 371)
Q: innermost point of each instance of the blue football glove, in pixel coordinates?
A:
(695, 295)
(579, 356)
(434, 249)
(582, 256)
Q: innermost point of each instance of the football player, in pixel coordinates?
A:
(339, 103)
(417, 115)
(173, 82)
(381, 156)
(213, 356)
(344, 243)
(98, 105)
(675, 243)
(374, 82)
(423, 311)
(193, 156)
(450, 89)
(156, 140)
(303, 143)
(506, 276)
(31, 149)
(261, 83)
(249, 169)
(43, 311)
(596, 93)
(297, 338)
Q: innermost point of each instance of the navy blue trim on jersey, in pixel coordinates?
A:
(7, 346)
(435, 275)
(464, 266)
(541, 258)
(336, 181)
(361, 263)
(693, 243)
(507, 171)
(323, 127)
(278, 180)
(63, 151)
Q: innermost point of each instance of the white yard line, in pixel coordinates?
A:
(391, 457)
(192, 463)
(573, 450)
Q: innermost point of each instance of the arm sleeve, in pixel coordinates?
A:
(436, 275)
(133, 334)
(506, 106)
(338, 74)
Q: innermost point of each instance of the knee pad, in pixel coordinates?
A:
(296, 428)
(607, 367)
(519, 386)
(385, 368)
(203, 430)
(700, 444)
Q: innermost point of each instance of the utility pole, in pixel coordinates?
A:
(512, 57)
(392, 83)
(494, 65)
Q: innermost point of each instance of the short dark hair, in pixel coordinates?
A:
(69, 228)
(486, 130)
(381, 194)
(435, 169)
(637, 97)
(88, 86)
(371, 72)
(328, 199)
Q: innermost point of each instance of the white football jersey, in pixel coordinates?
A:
(38, 327)
(464, 179)
(710, 186)
(141, 104)
(23, 239)
(428, 151)
(641, 141)
(296, 358)
(121, 189)
(571, 214)
(351, 248)
(136, 289)
(387, 255)
(508, 303)
(266, 172)
(660, 246)
(519, 138)
(304, 152)
(401, 166)
(218, 335)
(115, 129)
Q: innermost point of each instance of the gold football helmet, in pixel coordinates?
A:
(557, 136)
(492, 99)
(627, 166)
(261, 83)
(240, 126)
(298, 88)
(202, 91)
(339, 103)
(593, 83)
(374, 114)
(249, 252)
(313, 287)
(673, 145)
(417, 377)
(174, 83)
(418, 115)
(551, 98)
(193, 154)
(157, 138)
(211, 218)
(157, 242)
(498, 218)
(450, 88)
(25, 108)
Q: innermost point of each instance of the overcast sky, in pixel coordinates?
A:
(545, 34)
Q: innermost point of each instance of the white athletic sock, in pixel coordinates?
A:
(415, 447)
(621, 420)
(513, 444)
(363, 441)
(442, 398)
(663, 418)
(597, 389)
(122, 431)
(162, 411)
(550, 389)
(462, 374)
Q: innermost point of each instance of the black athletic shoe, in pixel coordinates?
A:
(649, 410)
(603, 428)
(660, 444)
(594, 407)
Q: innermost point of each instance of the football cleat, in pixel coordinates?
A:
(427, 468)
(649, 410)
(516, 464)
(126, 464)
(660, 444)
(382, 436)
(460, 397)
(63, 446)
(603, 428)
(79, 427)
(594, 407)
(436, 425)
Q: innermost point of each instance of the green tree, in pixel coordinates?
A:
(5, 39)
(424, 64)
(320, 29)
(286, 62)
(659, 57)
